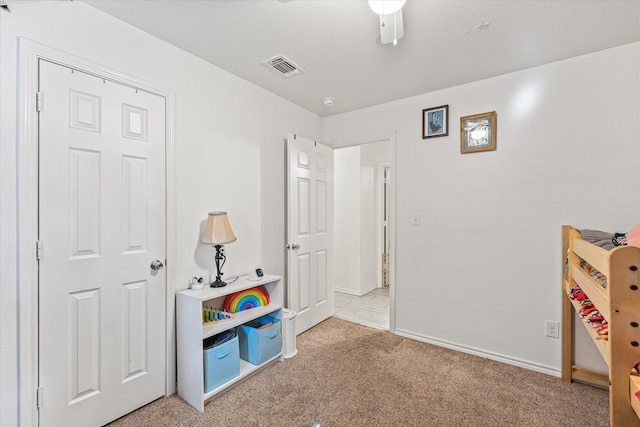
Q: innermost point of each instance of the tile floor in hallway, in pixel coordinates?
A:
(371, 309)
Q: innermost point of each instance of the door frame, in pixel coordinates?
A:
(380, 217)
(391, 138)
(30, 52)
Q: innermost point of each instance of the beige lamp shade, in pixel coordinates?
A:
(218, 230)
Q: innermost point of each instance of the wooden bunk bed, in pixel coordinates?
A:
(618, 302)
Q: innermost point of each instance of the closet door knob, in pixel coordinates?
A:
(156, 265)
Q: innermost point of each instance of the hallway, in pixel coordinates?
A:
(371, 309)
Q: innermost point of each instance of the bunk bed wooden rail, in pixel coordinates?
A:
(619, 304)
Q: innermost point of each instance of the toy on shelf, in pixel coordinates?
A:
(246, 299)
(211, 314)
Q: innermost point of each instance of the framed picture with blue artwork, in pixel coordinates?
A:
(435, 122)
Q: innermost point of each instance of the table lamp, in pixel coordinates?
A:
(218, 232)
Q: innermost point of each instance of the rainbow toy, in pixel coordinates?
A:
(244, 300)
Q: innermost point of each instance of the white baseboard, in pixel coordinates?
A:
(352, 292)
(554, 372)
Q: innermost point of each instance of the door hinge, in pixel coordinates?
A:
(39, 101)
(39, 250)
(40, 397)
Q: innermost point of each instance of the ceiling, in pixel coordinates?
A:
(337, 41)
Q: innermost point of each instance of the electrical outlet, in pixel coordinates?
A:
(552, 329)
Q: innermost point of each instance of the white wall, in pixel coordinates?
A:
(355, 216)
(375, 152)
(482, 271)
(230, 150)
(372, 155)
(368, 230)
(346, 210)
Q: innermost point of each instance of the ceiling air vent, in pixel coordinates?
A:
(283, 66)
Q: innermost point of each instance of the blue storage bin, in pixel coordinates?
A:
(221, 362)
(260, 345)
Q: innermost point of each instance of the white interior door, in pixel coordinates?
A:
(309, 231)
(101, 224)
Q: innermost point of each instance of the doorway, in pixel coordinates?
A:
(362, 249)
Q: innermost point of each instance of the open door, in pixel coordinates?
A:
(309, 231)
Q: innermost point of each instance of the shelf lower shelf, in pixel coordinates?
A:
(238, 318)
(246, 369)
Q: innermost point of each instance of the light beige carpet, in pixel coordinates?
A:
(350, 375)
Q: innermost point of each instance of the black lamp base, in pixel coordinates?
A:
(218, 284)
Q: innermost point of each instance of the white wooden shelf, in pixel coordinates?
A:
(191, 332)
(246, 369)
(241, 284)
(237, 319)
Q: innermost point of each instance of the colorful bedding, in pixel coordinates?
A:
(604, 240)
(600, 278)
(589, 313)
